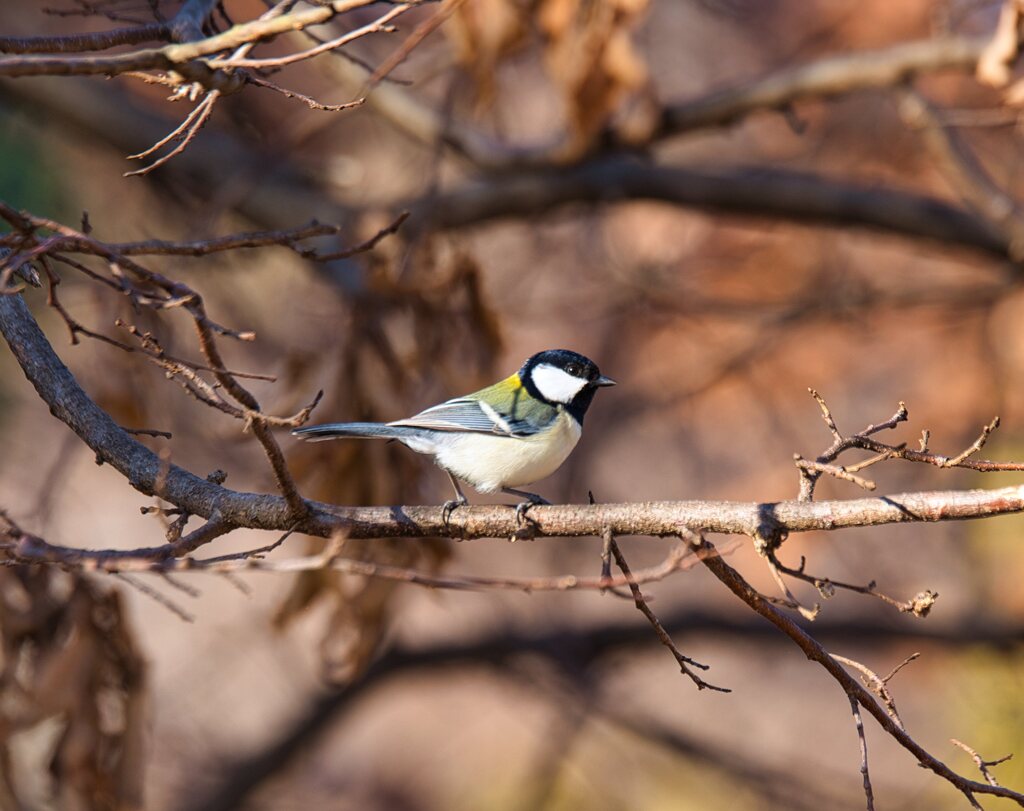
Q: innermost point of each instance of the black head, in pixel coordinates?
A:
(562, 377)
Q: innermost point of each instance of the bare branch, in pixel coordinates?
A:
(181, 136)
(378, 25)
(752, 190)
(312, 103)
(25, 548)
(686, 664)
(920, 605)
(983, 765)
(182, 57)
(369, 244)
(814, 651)
(92, 41)
(58, 388)
(72, 241)
(877, 685)
(859, 723)
(838, 471)
(810, 472)
(965, 172)
(825, 78)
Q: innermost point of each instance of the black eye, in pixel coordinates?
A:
(574, 369)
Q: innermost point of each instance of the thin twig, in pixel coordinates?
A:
(310, 102)
(859, 723)
(877, 685)
(685, 663)
(983, 765)
(156, 596)
(919, 605)
(814, 651)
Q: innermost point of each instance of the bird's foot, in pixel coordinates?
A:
(532, 499)
(450, 506)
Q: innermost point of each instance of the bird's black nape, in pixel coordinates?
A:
(572, 363)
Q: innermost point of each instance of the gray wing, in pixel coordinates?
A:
(466, 414)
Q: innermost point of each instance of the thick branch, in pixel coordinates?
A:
(583, 646)
(751, 191)
(746, 191)
(68, 402)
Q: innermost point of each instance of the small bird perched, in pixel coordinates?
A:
(508, 435)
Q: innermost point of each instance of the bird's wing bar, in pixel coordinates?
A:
(463, 414)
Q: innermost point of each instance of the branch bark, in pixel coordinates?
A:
(853, 688)
(183, 56)
(824, 78)
(757, 191)
(58, 388)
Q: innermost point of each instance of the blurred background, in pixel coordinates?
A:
(714, 319)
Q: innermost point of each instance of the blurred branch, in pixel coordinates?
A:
(824, 78)
(965, 172)
(996, 62)
(93, 41)
(581, 647)
(103, 116)
(758, 191)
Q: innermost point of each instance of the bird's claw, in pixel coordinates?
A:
(524, 506)
(450, 506)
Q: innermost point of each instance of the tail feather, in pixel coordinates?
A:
(368, 430)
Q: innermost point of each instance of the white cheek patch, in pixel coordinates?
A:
(556, 384)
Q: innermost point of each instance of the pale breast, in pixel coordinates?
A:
(491, 462)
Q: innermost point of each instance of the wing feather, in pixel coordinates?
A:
(460, 414)
(467, 414)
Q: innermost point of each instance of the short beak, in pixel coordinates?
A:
(604, 381)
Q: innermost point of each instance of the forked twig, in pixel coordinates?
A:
(983, 765)
(811, 471)
(686, 664)
(919, 605)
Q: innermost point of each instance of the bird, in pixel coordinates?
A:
(503, 437)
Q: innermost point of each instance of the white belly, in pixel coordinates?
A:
(490, 462)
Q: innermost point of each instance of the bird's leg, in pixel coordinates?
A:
(452, 504)
(531, 499)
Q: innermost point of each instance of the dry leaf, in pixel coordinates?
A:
(591, 55)
(994, 66)
(483, 33)
(69, 658)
